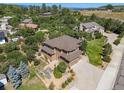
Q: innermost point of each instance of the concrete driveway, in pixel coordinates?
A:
(87, 75)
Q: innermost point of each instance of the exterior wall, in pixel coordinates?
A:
(50, 58)
(74, 61)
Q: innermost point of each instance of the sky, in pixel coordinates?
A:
(74, 5)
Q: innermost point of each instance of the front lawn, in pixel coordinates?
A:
(94, 51)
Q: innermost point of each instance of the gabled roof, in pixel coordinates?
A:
(71, 56)
(27, 20)
(91, 25)
(65, 43)
(48, 50)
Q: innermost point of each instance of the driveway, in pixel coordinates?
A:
(87, 75)
(111, 38)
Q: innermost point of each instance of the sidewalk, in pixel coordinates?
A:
(109, 76)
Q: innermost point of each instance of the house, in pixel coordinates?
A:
(2, 37)
(27, 21)
(4, 25)
(47, 14)
(91, 27)
(3, 80)
(64, 48)
(29, 24)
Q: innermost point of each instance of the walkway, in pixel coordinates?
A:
(109, 76)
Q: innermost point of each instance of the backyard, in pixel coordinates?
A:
(94, 51)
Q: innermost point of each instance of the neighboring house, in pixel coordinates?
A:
(91, 27)
(4, 26)
(29, 24)
(62, 48)
(27, 21)
(2, 37)
(47, 14)
(3, 80)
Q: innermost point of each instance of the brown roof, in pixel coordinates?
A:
(48, 50)
(71, 56)
(65, 43)
(31, 25)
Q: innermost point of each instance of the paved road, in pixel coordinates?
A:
(87, 75)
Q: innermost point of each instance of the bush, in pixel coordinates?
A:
(9, 47)
(106, 58)
(63, 85)
(57, 73)
(117, 41)
(36, 62)
(2, 58)
(97, 35)
(62, 67)
(1, 49)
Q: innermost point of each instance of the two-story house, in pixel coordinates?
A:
(64, 48)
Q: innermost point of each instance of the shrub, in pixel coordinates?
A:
(36, 62)
(117, 41)
(1, 49)
(106, 58)
(2, 58)
(57, 73)
(63, 85)
(62, 67)
(9, 47)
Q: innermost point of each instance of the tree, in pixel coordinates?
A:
(93, 17)
(62, 67)
(109, 6)
(14, 77)
(1, 49)
(31, 40)
(9, 47)
(23, 70)
(107, 49)
(44, 8)
(57, 73)
(54, 9)
(15, 57)
(117, 41)
(83, 46)
(2, 58)
(97, 35)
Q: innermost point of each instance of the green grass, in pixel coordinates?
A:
(32, 73)
(32, 87)
(94, 51)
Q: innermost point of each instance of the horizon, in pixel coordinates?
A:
(71, 5)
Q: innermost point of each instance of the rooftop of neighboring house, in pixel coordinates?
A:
(28, 20)
(91, 25)
(65, 43)
(33, 26)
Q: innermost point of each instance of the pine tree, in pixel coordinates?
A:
(23, 70)
(14, 77)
